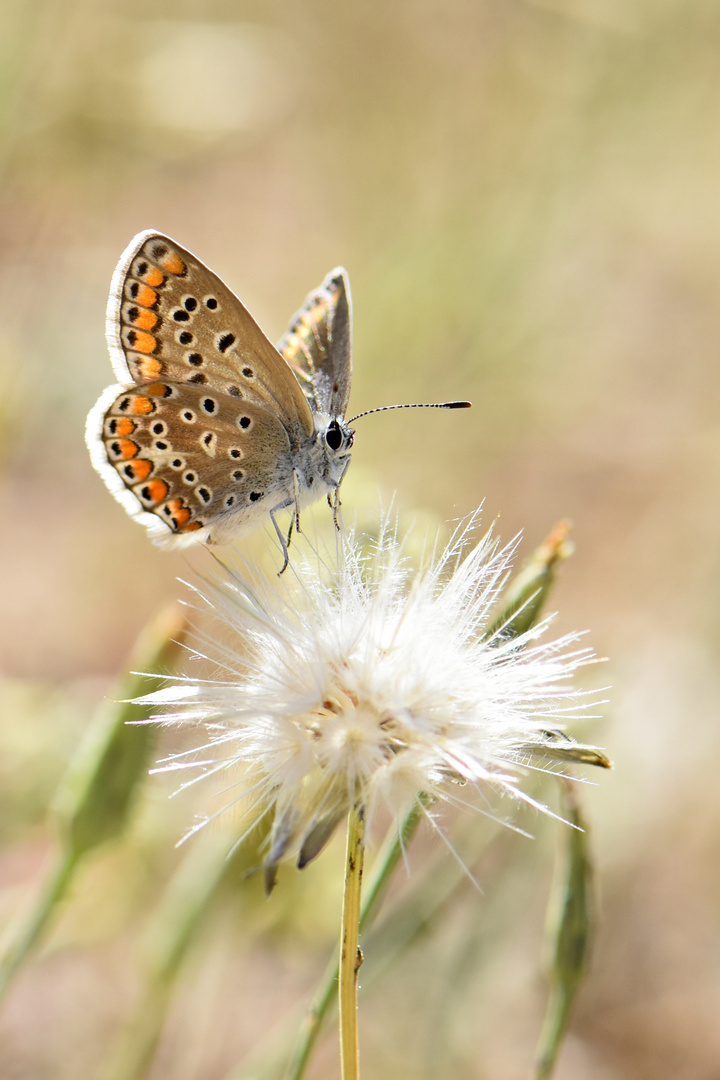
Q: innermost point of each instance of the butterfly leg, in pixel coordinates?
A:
(334, 497)
(296, 496)
(334, 504)
(284, 541)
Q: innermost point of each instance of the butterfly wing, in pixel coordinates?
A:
(171, 318)
(317, 345)
(191, 463)
(202, 393)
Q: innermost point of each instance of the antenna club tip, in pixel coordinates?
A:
(457, 405)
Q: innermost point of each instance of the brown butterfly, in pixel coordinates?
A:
(210, 426)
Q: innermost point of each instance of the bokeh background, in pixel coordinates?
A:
(525, 195)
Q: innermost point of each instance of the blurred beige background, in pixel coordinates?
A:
(526, 195)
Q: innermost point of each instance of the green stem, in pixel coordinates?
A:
(350, 955)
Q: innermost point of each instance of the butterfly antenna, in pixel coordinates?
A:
(430, 405)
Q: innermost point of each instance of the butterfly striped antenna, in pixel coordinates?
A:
(427, 405)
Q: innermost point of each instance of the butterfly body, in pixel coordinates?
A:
(210, 427)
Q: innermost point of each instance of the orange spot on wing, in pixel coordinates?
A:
(146, 297)
(147, 367)
(180, 513)
(120, 425)
(192, 526)
(172, 263)
(144, 343)
(126, 448)
(158, 389)
(155, 491)
(153, 277)
(137, 470)
(141, 406)
(145, 320)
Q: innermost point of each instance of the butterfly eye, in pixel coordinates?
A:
(333, 436)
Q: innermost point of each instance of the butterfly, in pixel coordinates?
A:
(210, 427)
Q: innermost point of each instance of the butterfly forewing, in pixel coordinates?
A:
(317, 345)
(172, 319)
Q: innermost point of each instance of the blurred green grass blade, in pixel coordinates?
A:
(570, 924)
(522, 602)
(30, 930)
(388, 858)
(183, 911)
(438, 887)
(93, 800)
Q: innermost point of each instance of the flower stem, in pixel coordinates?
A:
(388, 857)
(350, 955)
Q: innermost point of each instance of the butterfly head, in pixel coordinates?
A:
(333, 439)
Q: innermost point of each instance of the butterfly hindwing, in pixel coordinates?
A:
(317, 345)
(196, 458)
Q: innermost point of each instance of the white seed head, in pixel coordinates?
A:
(362, 678)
